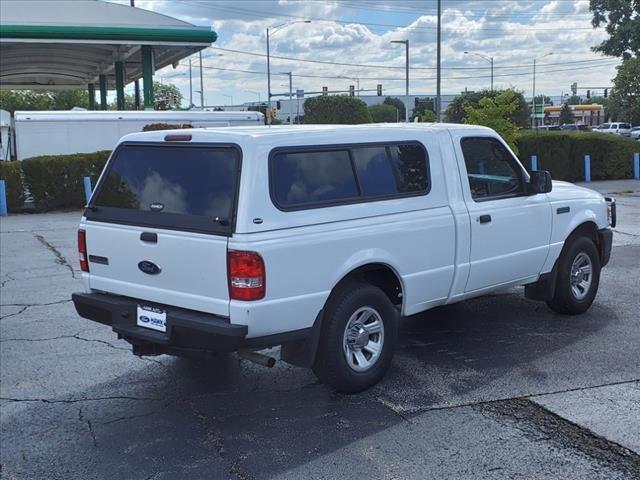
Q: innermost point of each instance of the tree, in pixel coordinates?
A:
(566, 115)
(456, 111)
(574, 100)
(384, 113)
(167, 91)
(336, 110)
(624, 101)
(496, 113)
(423, 109)
(396, 102)
(621, 19)
(543, 100)
(428, 116)
(12, 100)
(129, 103)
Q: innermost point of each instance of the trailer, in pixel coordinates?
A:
(84, 131)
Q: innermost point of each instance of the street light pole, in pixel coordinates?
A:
(274, 30)
(438, 60)
(488, 59)
(406, 107)
(201, 83)
(533, 98)
(190, 85)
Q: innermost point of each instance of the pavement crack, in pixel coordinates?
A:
(77, 400)
(89, 426)
(19, 312)
(130, 417)
(8, 278)
(60, 259)
(533, 418)
(397, 409)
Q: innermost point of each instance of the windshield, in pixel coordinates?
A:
(172, 186)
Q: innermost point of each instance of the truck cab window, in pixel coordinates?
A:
(491, 170)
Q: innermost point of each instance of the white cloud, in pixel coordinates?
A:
(512, 32)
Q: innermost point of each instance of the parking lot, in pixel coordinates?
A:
(497, 387)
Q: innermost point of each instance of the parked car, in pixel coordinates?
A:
(617, 128)
(576, 127)
(548, 128)
(635, 133)
(321, 238)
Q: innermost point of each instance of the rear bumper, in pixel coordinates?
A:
(187, 330)
(606, 240)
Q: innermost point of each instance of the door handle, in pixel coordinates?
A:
(484, 218)
(149, 237)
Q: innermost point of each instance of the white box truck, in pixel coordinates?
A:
(83, 131)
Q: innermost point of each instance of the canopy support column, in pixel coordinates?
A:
(92, 96)
(103, 92)
(119, 71)
(147, 76)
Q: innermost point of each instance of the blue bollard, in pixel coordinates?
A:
(636, 166)
(534, 162)
(87, 189)
(587, 168)
(3, 199)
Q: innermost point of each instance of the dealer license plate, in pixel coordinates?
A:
(152, 317)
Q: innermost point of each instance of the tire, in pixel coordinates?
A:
(357, 306)
(572, 296)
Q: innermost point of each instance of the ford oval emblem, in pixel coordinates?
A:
(149, 268)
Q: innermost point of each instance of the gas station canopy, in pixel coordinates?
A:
(70, 44)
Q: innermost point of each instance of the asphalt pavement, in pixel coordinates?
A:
(498, 387)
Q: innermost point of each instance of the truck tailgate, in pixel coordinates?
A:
(192, 267)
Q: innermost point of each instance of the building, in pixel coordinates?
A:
(590, 115)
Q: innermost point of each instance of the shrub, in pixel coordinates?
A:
(383, 113)
(11, 173)
(56, 181)
(336, 109)
(562, 153)
(165, 126)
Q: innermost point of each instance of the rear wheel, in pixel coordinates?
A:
(358, 338)
(578, 278)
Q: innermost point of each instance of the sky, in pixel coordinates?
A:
(349, 39)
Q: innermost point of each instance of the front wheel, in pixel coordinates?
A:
(358, 338)
(578, 278)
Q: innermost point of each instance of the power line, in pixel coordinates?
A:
(326, 62)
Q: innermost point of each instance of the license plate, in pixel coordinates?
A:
(151, 317)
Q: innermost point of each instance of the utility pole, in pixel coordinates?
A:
(533, 99)
(268, 83)
(201, 83)
(290, 98)
(438, 60)
(190, 85)
(406, 107)
(136, 84)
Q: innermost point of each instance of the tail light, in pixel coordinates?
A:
(246, 275)
(82, 250)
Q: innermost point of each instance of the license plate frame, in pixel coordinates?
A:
(153, 318)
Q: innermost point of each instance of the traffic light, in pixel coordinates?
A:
(379, 89)
(574, 88)
(606, 92)
(352, 90)
(588, 93)
(278, 104)
(325, 91)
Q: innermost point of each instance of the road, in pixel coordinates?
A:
(498, 387)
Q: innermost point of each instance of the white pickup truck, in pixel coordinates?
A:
(321, 238)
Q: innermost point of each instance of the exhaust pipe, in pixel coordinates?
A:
(258, 358)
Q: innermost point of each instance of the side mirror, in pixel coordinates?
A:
(539, 182)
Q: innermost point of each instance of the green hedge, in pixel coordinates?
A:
(56, 181)
(11, 173)
(562, 153)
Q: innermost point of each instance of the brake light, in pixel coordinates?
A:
(246, 275)
(82, 250)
